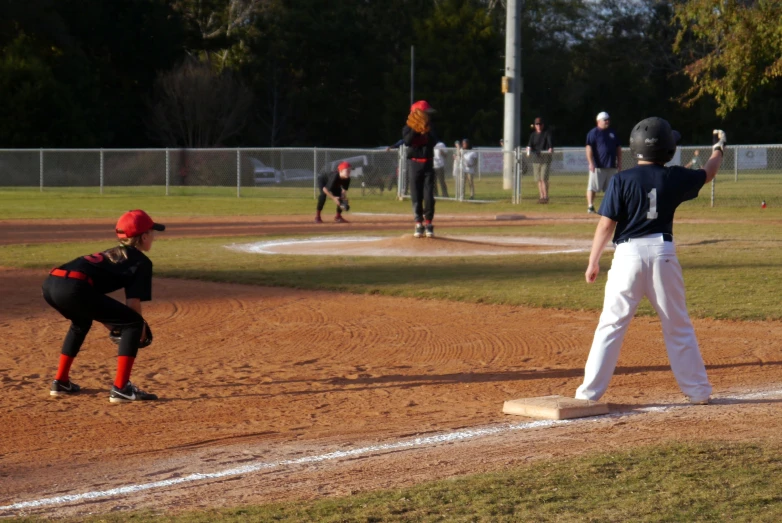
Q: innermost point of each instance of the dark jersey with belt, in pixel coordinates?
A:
(134, 274)
(333, 183)
(420, 146)
(643, 199)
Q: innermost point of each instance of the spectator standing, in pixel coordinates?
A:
(541, 148)
(604, 155)
(696, 162)
(469, 165)
(439, 169)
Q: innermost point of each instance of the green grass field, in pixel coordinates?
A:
(731, 269)
(678, 482)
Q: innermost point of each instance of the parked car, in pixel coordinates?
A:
(263, 174)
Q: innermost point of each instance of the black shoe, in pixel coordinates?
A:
(63, 388)
(419, 230)
(129, 393)
(591, 209)
(429, 230)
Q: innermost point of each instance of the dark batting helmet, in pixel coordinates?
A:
(653, 140)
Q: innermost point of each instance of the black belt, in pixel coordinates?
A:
(666, 238)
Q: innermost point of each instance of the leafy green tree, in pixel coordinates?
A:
(733, 48)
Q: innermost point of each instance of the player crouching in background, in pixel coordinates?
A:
(334, 185)
(77, 290)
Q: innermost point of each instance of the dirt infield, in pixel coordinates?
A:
(267, 377)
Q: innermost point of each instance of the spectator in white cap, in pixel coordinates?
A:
(604, 155)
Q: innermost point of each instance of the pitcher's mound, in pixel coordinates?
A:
(407, 245)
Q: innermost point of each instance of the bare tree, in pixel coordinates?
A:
(197, 107)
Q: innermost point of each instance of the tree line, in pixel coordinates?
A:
(336, 73)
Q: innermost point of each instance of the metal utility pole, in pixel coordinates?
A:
(412, 73)
(511, 87)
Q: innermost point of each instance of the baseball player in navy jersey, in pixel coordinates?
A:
(78, 289)
(638, 211)
(334, 185)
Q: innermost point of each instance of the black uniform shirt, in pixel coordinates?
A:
(643, 199)
(419, 146)
(134, 274)
(334, 183)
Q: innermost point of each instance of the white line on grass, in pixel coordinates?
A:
(429, 441)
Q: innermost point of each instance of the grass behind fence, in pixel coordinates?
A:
(567, 194)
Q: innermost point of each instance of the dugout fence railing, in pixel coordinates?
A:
(751, 174)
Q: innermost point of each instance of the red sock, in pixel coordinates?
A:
(428, 222)
(317, 214)
(124, 366)
(64, 368)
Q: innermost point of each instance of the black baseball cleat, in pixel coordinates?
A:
(429, 230)
(129, 393)
(419, 230)
(63, 388)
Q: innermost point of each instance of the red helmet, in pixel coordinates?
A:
(422, 105)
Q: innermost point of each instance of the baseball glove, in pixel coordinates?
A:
(344, 205)
(418, 121)
(115, 335)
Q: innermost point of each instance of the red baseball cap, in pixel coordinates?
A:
(135, 223)
(343, 165)
(422, 105)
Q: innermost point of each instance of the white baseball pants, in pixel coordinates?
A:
(645, 267)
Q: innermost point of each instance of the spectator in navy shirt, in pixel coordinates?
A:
(604, 154)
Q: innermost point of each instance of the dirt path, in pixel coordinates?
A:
(251, 375)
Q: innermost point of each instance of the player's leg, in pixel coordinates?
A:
(65, 297)
(592, 188)
(667, 295)
(416, 195)
(118, 315)
(624, 290)
(321, 201)
(429, 187)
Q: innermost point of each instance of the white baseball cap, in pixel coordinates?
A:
(603, 116)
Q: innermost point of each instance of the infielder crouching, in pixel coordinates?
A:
(78, 289)
(334, 185)
(638, 211)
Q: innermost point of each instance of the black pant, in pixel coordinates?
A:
(422, 189)
(77, 301)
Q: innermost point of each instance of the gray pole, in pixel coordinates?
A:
(512, 86)
(412, 73)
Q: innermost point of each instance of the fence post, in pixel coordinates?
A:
(40, 167)
(238, 173)
(168, 169)
(101, 170)
(713, 182)
(735, 164)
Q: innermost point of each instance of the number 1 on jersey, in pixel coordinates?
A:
(652, 214)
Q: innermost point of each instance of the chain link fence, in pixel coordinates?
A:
(750, 174)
